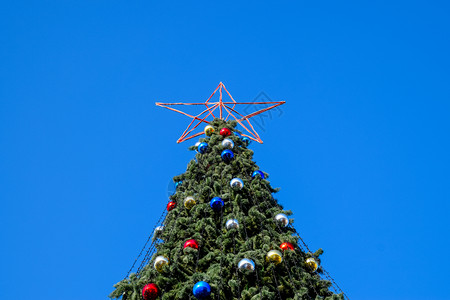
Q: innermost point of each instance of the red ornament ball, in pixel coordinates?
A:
(287, 246)
(191, 243)
(225, 132)
(171, 205)
(150, 291)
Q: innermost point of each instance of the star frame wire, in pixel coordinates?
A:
(229, 107)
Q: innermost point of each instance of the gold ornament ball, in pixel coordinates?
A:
(274, 256)
(160, 262)
(209, 130)
(189, 202)
(312, 264)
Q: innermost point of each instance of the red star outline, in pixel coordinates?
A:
(209, 111)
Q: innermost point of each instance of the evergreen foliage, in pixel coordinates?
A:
(220, 250)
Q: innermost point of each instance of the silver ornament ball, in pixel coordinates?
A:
(227, 143)
(282, 219)
(246, 264)
(236, 183)
(232, 224)
(158, 231)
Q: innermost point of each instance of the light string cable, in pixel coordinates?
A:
(180, 247)
(280, 230)
(221, 253)
(334, 285)
(172, 234)
(151, 251)
(276, 282)
(200, 243)
(334, 282)
(175, 262)
(273, 203)
(249, 248)
(272, 237)
(327, 275)
(204, 209)
(237, 271)
(242, 216)
(330, 280)
(261, 221)
(145, 245)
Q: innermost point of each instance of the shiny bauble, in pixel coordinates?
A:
(236, 183)
(286, 246)
(282, 219)
(178, 183)
(225, 132)
(202, 148)
(258, 173)
(227, 143)
(201, 290)
(216, 204)
(150, 291)
(312, 264)
(246, 264)
(209, 130)
(246, 141)
(232, 224)
(158, 230)
(237, 134)
(189, 202)
(171, 205)
(227, 155)
(274, 256)
(191, 244)
(160, 262)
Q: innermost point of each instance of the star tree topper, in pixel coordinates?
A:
(228, 107)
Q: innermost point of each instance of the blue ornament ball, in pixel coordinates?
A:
(216, 204)
(202, 148)
(201, 290)
(237, 134)
(178, 183)
(246, 140)
(227, 155)
(258, 173)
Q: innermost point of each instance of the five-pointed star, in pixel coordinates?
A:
(229, 107)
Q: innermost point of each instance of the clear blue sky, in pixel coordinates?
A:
(361, 151)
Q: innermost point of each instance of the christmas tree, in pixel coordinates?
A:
(224, 235)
